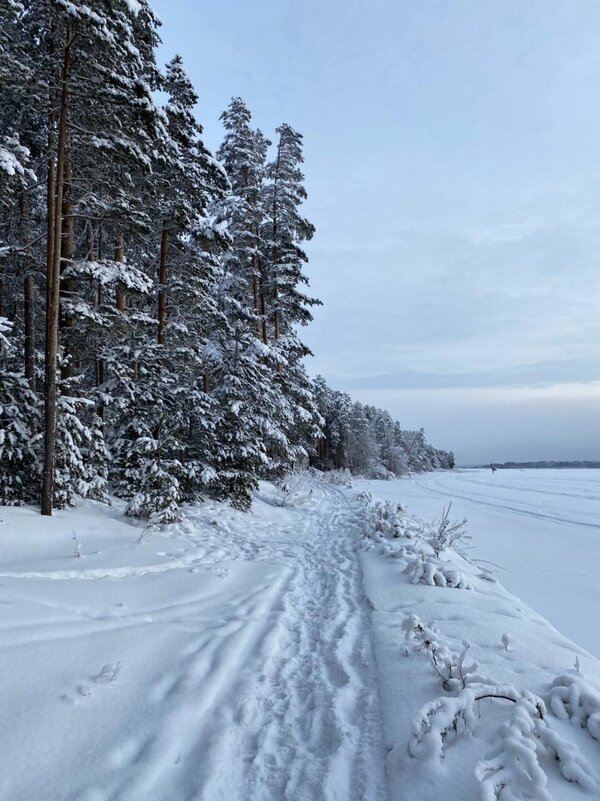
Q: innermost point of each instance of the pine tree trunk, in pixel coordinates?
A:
(89, 241)
(256, 296)
(54, 204)
(120, 256)
(29, 341)
(28, 297)
(263, 313)
(67, 252)
(162, 282)
(277, 324)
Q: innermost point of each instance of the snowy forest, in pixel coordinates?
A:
(152, 294)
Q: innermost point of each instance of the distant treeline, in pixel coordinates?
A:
(538, 465)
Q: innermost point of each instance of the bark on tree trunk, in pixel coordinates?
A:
(54, 203)
(256, 296)
(28, 297)
(163, 273)
(277, 324)
(263, 313)
(67, 252)
(120, 256)
(29, 341)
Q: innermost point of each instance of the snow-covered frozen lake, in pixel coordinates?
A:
(542, 527)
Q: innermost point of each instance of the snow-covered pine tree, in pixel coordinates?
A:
(165, 449)
(284, 231)
(102, 127)
(251, 404)
(243, 155)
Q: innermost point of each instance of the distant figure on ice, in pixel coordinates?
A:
(493, 469)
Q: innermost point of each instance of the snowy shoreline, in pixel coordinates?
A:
(421, 630)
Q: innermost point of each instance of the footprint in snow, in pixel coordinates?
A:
(108, 674)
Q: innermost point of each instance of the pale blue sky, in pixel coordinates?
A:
(453, 167)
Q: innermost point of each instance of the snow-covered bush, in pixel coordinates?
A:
(571, 698)
(431, 571)
(420, 636)
(386, 520)
(450, 667)
(513, 771)
(447, 534)
(439, 722)
(338, 478)
(293, 490)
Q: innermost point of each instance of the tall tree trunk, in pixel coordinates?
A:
(163, 273)
(277, 323)
(263, 315)
(256, 295)
(28, 297)
(29, 341)
(67, 252)
(54, 203)
(120, 256)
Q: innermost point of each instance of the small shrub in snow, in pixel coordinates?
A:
(514, 772)
(452, 669)
(571, 698)
(447, 534)
(439, 722)
(571, 764)
(339, 478)
(385, 520)
(419, 637)
(421, 544)
(292, 490)
(431, 571)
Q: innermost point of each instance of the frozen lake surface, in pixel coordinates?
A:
(542, 527)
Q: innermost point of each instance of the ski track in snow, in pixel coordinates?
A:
(484, 500)
(276, 701)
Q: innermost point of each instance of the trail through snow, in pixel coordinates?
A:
(235, 667)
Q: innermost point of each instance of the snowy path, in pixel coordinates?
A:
(542, 527)
(235, 665)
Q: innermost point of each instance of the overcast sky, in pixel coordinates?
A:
(453, 166)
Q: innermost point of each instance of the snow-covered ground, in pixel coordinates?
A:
(540, 527)
(271, 655)
(228, 659)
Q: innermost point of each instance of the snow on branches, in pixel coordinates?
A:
(421, 545)
(571, 698)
